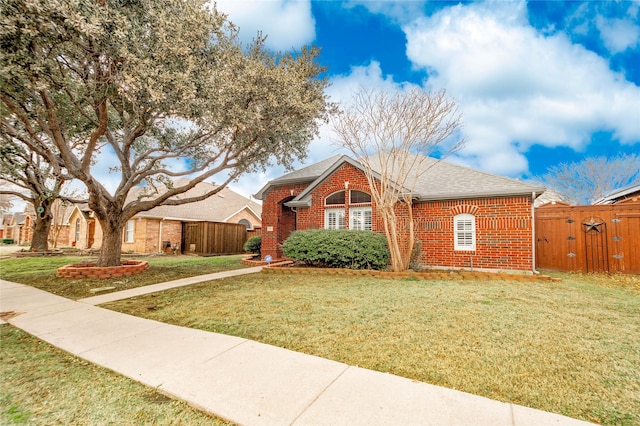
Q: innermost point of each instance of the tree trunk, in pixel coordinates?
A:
(411, 243)
(40, 238)
(111, 243)
(42, 225)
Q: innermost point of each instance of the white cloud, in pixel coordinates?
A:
(618, 35)
(517, 87)
(286, 23)
(398, 11)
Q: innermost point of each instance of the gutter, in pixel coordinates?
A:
(456, 196)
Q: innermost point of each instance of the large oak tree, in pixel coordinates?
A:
(151, 90)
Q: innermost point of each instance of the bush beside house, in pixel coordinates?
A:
(253, 245)
(338, 249)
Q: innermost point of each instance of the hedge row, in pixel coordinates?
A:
(338, 249)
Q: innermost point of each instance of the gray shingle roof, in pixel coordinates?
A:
(438, 180)
(444, 180)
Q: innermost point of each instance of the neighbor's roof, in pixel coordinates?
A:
(217, 208)
(619, 194)
(439, 180)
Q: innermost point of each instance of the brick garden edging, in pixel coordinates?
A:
(431, 275)
(90, 270)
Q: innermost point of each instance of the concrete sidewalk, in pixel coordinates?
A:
(138, 291)
(248, 382)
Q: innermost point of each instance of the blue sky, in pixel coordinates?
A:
(538, 82)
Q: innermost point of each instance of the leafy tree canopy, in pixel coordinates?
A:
(163, 88)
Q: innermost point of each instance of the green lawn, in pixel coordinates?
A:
(40, 272)
(569, 347)
(42, 385)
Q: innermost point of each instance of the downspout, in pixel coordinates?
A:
(533, 234)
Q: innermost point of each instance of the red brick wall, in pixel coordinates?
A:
(503, 224)
(272, 218)
(503, 233)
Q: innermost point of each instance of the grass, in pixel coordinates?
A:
(41, 272)
(44, 385)
(569, 347)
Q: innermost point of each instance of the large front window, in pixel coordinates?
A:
(360, 218)
(356, 203)
(334, 219)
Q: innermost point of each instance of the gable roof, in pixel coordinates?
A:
(303, 175)
(217, 208)
(439, 180)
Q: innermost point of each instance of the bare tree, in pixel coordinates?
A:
(391, 135)
(591, 179)
(163, 88)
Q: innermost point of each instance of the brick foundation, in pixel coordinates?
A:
(90, 270)
(430, 275)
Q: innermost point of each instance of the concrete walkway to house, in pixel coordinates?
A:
(245, 381)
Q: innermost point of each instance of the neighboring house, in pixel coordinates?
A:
(550, 198)
(84, 231)
(18, 227)
(153, 230)
(630, 194)
(463, 218)
(4, 223)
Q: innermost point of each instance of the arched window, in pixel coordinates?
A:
(464, 232)
(359, 197)
(337, 198)
(245, 222)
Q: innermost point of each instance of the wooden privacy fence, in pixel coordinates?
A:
(588, 238)
(205, 238)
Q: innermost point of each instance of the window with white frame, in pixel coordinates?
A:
(78, 227)
(360, 218)
(334, 219)
(129, 231)
(464, 232)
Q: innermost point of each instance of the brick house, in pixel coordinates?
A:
(148, 232)
(463, 218)
(18, 227)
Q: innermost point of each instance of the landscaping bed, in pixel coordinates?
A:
(290, 268)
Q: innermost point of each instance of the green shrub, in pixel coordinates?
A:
(338, 249)
(253, 244)
(6, 241)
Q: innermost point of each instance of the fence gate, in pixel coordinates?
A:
(595, 244)
(603, 238)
